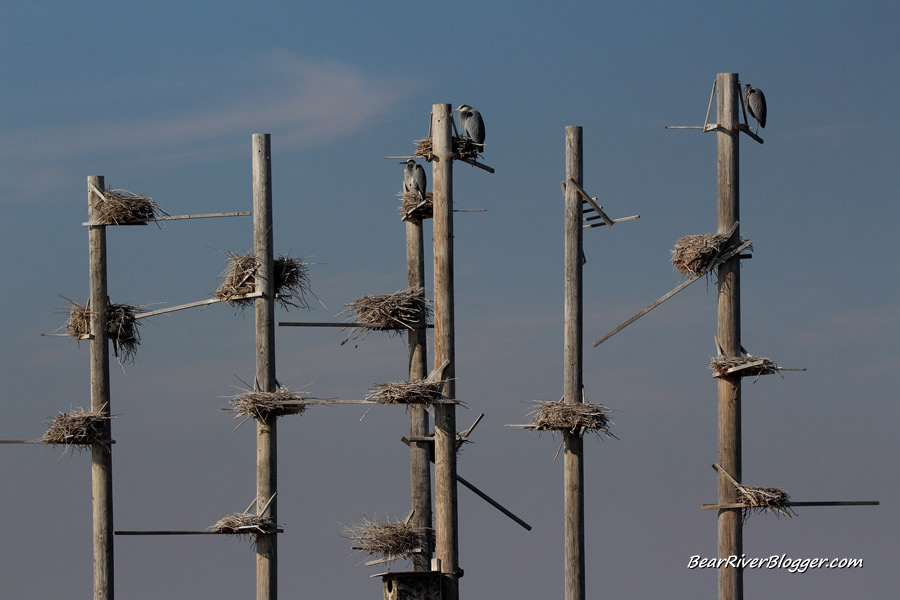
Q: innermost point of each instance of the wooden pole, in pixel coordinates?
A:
(572, 379)
(730, 542)
(419, 452)
(445, 493)
(266, 455)
(101, 454)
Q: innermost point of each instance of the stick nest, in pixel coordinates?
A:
(404, 309)
(573, 417)
(413, 207)
(262, 405)
(407, 392)
(720, 364)
(762, 499)
(121, 327)
(463, 147)
(244, 524)
(695, 254)
(121, 207)
(291, 281)
(389, 540)
(77, 428)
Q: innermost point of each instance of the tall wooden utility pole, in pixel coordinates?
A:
(730, 542)
(446, 525)
(572, 379)
(419, 452)
(101, 454)
(266, 438)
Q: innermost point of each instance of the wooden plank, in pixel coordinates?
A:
(677, 289)
(344, 325)
(101, 455)
(208, 301)
(266, 430)
(475, 163)
(729, 522)
(176, 218)
(179, 532)
(631, 218)
(592, 201)
(445, 493)
(573, 363)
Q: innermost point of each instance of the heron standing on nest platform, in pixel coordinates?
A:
(472, 125)
(755, 101)
(414, 178)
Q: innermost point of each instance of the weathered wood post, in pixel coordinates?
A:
(419, 452)
(101, 454)
(730, 541)
(445, 492)
(266, 438)
(572, 380)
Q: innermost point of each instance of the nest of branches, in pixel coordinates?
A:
(244, 524)
(120, 207)
(388, 540)
(574, 417)
(291, 281)
(413, 207)
(695, 254)
(404, 309)
(77, 428)
(407, 392)
(121, 327)
(465, 147)
(762, 499)
(721, 364)
(262, 405)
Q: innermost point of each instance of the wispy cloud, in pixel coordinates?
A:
(302, 102)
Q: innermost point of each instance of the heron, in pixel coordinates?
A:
(472, 124)
(414, 178)
(755, 101)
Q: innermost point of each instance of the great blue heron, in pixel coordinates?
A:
(755, 101)
(472, 124)
(414, 178)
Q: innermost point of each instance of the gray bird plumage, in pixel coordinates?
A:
(755, 101)
(414, 178)
(471, 123)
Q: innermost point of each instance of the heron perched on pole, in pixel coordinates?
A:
(471, 124)
(755, 101)
(414, 178)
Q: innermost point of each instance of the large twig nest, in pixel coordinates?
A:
(407, 392)
(244, 524)
(121, 327)
(389, 540)
(404, 309)
(414, 207)
(695, 254)
(466, 147)
(291, 281)
(721, 364)
(574, 417)
(119, 207)
(262, 405)
(77, 428)
(424, 149)
(762, 499)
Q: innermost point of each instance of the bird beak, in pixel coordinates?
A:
(454, 110)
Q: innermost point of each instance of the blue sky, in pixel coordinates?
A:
(163, 100)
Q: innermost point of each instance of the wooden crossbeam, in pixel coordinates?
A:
(171, 218)
(792, 503)
(350, 325)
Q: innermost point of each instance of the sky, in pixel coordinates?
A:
(162, 100)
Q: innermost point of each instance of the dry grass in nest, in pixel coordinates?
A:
(388, 540)
(424, 149)
(573, 417)
(465, 147)
(244, 524)
(77, 428)
(407, 392)
(413, 207)
(761, 499)
(720, 364)
(404, 309)
(121, 327)
(291, 281)
(262, 405)
(695, 254)
(120, 207)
